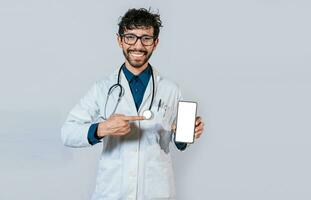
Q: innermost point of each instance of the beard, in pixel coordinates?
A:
(137, 63)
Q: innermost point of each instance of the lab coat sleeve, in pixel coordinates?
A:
(74, 132)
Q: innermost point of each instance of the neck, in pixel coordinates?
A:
(135, 70)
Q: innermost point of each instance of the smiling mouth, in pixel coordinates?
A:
(137, 54)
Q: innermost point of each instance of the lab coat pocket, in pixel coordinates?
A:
(162, 119)
(109, 178)
(159, 181)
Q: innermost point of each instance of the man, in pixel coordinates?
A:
(135, 162)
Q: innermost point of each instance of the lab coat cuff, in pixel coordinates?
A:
(92, 134)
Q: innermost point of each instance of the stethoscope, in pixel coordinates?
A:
(148, 114)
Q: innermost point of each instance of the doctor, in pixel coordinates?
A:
(135, 162)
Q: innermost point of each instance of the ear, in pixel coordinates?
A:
(156, 42)
(119, 40)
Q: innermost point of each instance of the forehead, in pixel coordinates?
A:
(140, 31)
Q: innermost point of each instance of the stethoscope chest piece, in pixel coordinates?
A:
(148, 114)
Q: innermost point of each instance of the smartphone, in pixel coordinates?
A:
(185, 125)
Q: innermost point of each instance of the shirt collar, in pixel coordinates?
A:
(144, 76)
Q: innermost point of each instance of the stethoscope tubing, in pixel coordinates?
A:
(121, 93)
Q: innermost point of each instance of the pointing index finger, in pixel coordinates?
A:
(133, 118)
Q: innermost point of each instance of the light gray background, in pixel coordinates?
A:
(247, 63)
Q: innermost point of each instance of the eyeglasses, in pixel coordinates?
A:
(131, 39)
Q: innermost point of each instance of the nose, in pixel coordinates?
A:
(138, 43)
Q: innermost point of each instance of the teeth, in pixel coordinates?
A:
(137, 54)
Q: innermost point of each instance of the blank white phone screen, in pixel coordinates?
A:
(185, 121)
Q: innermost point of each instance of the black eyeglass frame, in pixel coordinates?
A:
(138, 37)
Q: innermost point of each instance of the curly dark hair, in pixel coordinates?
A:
(140, 18)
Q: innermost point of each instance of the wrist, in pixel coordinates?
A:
(101, 130)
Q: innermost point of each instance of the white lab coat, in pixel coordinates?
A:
(136, 166)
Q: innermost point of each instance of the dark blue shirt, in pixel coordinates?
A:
(138, 84)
